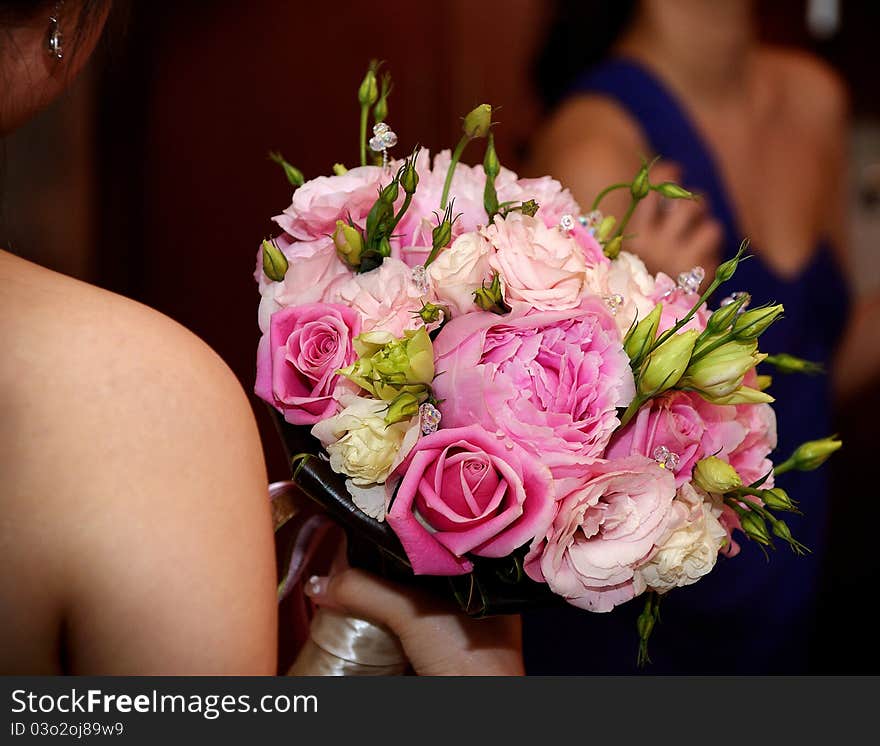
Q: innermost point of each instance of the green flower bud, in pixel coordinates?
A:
(491, 164)
(755, 527)
(785, 363)
(388, 195)
(380, 110)
(404, 406)
(293, 174)
(727, 269)
(339, 169)
(349, 244)
(777, 499)
(715, 476)
(369, 89)
(274, 262)
(612, 248)
(642, 336)
(720, 372)
(605, 228)
(491, 298)
(726, 315)
(812, 454)
(409, 177)
(666, 365)
(640, 186)
(670, 190)
(751, 324)
(430, 314)
(478, 121)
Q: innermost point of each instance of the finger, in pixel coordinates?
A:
(704, 242)
(363, 595)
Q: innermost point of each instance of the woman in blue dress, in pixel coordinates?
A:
(759, 133)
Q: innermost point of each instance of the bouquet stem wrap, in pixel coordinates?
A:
(342, 645)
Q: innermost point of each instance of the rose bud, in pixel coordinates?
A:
(751, 324)
(671, 190)
(721, 371)
(274, 262)
(667, 363)
(349, 244)
(478, 121)
(755, 527)
(713, 475)
(725, 316)
(777, 499)
(640, 339)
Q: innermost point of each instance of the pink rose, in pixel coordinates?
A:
(386, 298)
(603, 532)
(549, 381)
(460, 270)
(543, 267)
(670, 421)
(465, 491)
(297, 360)
(319, 203)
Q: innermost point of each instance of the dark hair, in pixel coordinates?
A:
(580, 34)
(13, 12)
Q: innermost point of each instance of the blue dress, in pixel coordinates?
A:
(749, 616)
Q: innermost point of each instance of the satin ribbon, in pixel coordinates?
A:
(342, 645)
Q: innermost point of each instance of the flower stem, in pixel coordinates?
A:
(606, 191)
(365, 110)
(456, 157)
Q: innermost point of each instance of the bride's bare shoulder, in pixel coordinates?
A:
(67, 341)
(132, 470)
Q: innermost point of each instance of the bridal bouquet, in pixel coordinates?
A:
(497, 392)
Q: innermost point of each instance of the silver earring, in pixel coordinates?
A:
(54, 37)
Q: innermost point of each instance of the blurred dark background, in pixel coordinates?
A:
(150, 177)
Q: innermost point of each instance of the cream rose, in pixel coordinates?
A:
(460, 270)
(361, 445)
(689, 551)
(627, 277)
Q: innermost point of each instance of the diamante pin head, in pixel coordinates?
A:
(383, 138)
(566, 223)
(591, 220)
(420, 278)
(690, 281)
(666, 458)
(614, 302)
(429, 418)
(733, 298)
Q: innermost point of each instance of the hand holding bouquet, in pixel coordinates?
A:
(505, 390)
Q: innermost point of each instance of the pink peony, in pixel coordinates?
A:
(603, 532)
(319, 203)
(543, 267)
(464, 491)
(297, 360)
(671, 421)
(313, 267)
(550, 381)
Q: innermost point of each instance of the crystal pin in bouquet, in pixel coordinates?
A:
(476, 379)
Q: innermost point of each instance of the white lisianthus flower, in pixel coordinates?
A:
(690, 550)
(628, 278)
(361, 445)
